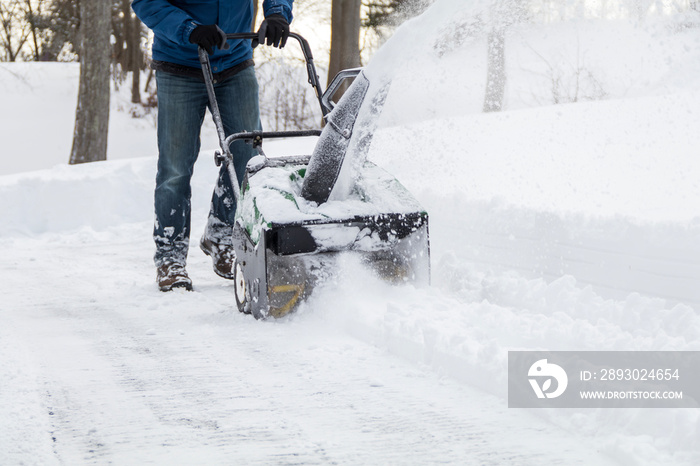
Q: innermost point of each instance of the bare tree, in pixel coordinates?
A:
(33, 16)
(504, 13)
(61, 21)
(27, 28)
(136, 61)
(345, 36)
(286, 101)
(15, 30)
(496, 70)
(127, 31)
(92, 112)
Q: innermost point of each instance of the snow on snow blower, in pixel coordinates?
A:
(296, 214)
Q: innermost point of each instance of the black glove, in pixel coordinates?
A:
(208, 37)
(275, 28)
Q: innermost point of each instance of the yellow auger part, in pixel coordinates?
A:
(283, 310)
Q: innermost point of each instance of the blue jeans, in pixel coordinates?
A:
(182, 104)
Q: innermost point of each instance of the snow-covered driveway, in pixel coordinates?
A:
(98, 367)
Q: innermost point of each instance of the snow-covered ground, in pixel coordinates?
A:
(553, 227)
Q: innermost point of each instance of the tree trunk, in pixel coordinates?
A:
(32, 25)
(496, 72)
(345, 37)
(136, 86)
(133, 48)
(92, 112)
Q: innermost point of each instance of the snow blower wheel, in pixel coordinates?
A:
(240, 288)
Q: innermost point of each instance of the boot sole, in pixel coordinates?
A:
(186, 285)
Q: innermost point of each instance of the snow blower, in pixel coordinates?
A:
(297, 214)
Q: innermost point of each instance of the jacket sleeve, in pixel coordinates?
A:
(280, 7)
(167, 20)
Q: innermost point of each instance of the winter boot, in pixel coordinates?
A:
(173, 275)
(222, 257)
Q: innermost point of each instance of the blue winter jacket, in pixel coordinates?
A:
(172, 22)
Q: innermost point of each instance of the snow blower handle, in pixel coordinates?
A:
(308, 58)
(209, 80)
(224, 142)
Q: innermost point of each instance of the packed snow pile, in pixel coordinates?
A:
(573, 226)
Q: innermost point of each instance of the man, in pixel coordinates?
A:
(180, 26)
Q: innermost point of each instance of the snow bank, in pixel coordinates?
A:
(95, 196)
(634, 158)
